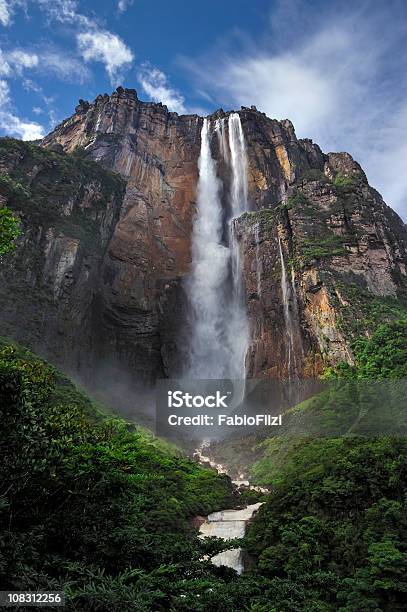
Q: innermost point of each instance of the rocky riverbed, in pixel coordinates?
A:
(231, 523)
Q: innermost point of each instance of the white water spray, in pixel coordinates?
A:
(238, 330)
(220, 130)
(238, 161)
(258, 262)
(294, 294)
(237, 325)
(210, 270)
(289, 325)
(220, 335)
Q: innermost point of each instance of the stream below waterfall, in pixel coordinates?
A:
(230, 523)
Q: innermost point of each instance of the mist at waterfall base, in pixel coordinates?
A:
(308, 407)
(113, 385)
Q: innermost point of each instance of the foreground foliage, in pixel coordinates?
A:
(335, 526)
(88, 503)
(102, 509)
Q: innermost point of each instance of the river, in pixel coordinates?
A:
(230, 523)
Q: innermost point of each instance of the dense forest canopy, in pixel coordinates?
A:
(102, 509)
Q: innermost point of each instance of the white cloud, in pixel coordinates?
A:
(7, 9)
(105, 47)
(49, 61)
(63, 66)
(123, 5)
(155, 85)
(94, 43)
(13, 125)
(4, 13)
(4, 65)
(31, 85)
(20, 59)
(13, 63)
(65, 11)
(4, 94)
(332, 81)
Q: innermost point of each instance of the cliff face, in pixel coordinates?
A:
(51, 287)
(314, 212)
(337, 237)
(156, 152)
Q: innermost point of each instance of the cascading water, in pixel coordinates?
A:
(288, 320)
(238, 162)
(294, 293)
(238, 328)
(258, 262)
(220, 129)
(220, 335)
(208, 352)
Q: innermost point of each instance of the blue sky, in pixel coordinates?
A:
(337, 70)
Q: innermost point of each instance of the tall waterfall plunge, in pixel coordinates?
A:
(294, 339)
(238, 162)
(220, 335)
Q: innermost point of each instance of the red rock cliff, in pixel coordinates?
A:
(335, 233)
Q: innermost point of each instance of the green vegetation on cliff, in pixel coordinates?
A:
(323, 246)
(382, 356)
(361, 312)
(43, 186)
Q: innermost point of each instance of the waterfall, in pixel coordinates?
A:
(238, 325)
(238, 161)
(220, 130)
(286, 290)
(219, 329)
(210, 261)
(258, 262)
(294, 293)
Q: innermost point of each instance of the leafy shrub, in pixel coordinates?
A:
(315, 175)
(9, 230)
(298, 199)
